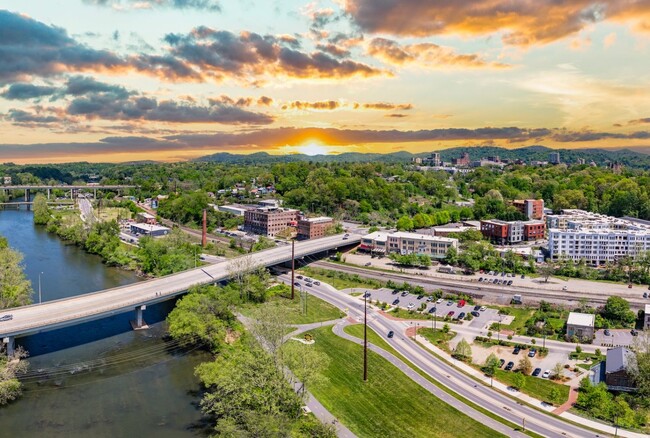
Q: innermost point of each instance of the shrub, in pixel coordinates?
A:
(509, 337)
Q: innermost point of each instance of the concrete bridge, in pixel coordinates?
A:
(70, 311)
(73, 188)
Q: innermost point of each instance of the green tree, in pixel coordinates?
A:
(555, 396)
(405, 224)
(617, 310)
(491, 365)
(525, 366)
(10, 386)
(41, 210)
(15, 288)
(306, 363)
(463, 351)
(518, 381)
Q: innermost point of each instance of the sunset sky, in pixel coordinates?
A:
(170, 80)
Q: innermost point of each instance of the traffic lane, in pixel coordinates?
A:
(452, 378)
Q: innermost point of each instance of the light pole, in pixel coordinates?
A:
(544, 346)
(365, 338)
(40, 298)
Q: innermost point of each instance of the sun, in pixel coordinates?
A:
(313, 148)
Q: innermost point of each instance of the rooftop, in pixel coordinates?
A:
(148, 227)
(378, 236)
(317, 219)
(617, 359)
(581, 319)
(405, 235)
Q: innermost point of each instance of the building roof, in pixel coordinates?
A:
(618, 359)
(405, 235)
(317, 219)
(147, 215)
(581, 319)
(377, 236)
(148, 227)
(647, 310)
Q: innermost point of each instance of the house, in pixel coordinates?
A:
(580, 326)
(617, 369)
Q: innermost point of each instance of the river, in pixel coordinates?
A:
(98, 379)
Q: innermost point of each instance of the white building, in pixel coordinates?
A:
(374, 242)
(581, 326)
(596, 238)
(232, 209)
(646, 323)
(412, 243)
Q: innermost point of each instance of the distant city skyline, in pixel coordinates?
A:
(169, 80)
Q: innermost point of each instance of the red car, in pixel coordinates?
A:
(461, 303)
(450, 314)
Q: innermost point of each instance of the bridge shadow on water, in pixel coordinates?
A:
(80, 334)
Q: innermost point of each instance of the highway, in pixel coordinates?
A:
(503, 406)
(69, 311)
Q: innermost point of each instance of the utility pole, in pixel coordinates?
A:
(544, 346)
(40, 300)
(365, 337)
(523, 424)
(204, 234)
(293, 267)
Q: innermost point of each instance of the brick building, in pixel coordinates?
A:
(314, 227)
(509, 232)
(269, 221)
(534, 230)
(532, 208)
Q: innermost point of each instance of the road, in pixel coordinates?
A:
(481, 289)
(86, 208)
(69, 311)
(503, 406)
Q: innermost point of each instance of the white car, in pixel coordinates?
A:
(410, 306)
(439, 301)
(546, 374)
(483, 309)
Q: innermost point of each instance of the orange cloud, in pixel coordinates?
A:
(522, 22)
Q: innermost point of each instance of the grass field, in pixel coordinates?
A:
(317, 309)
(111, 213)
(340, 280)
(438, 337)
(536, 387)
(357, 331)
(390, 404)
(521, 314)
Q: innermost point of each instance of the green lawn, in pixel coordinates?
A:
(357, 330)
(521, 314)
(340, 280)
(438, 337)
(390, 404)
(317, 309)
(536, 386)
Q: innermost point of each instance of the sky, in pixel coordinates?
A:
(171, 80)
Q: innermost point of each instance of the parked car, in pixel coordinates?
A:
(391, 334)
(450, 314)
(439, 300)
(461, 315)
(501, 362)
(523, 276)
(461, 303)
(645, 294)
(607, 332)
(449, 303)
(516, 350)
(480, 279)
(7, 317)
(429, 299)
(432, 310)
(483, 308)
(564, 288)
(299, 277)
(404, 293)
(410, 306)
(509, 366)
(420, 297)
(509, 282)
(368, 264)
(546, 374)
(532, 353)
(475, 314)
(396, 302)
(310, 284)
(536, 372)
(633, 332)
(395, 291)
(477, 307)
(296, 283)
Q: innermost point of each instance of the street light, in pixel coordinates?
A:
(39, 288)
(365, 337)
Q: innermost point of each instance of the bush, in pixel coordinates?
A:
(509, 337)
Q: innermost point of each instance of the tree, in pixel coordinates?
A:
(405, 223)
(518, 381)
(640, 366)
(452, 256)
(558, 370)
(546, 270)
(463, 351)
(617, 310)
(10, 386)
(555, 396)
(306, 363)
(491, 365)
(525, 366)
(15, 289)
(41, 210)
(269, 327)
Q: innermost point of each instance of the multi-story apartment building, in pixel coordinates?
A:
(532, 208)
(314, 227)
(413, 243)
(554, 158)
(509, 232)
(269, 221)
(596, 238)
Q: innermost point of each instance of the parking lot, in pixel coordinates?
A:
(443, 307)
(616, 338)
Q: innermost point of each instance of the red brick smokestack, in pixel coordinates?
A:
(204, 237)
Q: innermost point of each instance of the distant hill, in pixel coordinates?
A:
(629, 158)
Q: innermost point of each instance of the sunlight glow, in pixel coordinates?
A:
(313, 148)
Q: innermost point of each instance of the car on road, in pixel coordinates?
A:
(345, 237)
(396, 302)
(432, 310)
(483, 309)
(7, 317)
(296, 283)
(450, 314)
(509, 282)
(410, 306)
(391, 334)
(310, 284)
(633, 332)
(536, 372)
(516, 350)
(368, 264)
(461, 315)
(501, 362)
(532, 352)
(564, 288)
(607, 332)
(317, 283)
(509, 366)
(439, 300)
(546, 374)
(299, 277)
(480, 280)
(475, 314)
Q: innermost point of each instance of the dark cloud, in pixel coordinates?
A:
(388, 106)
(519, 22)
(567, 136)
(639, 121)
(205, 5)
(81, 85)
(29, 48)
(23, 91)
(334, 50)
(264, 101)
(322, 105)
(396, 115)
(21, 117)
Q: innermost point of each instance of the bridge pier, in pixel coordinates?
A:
(9, 342)
(49, 193)
(138, 323)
